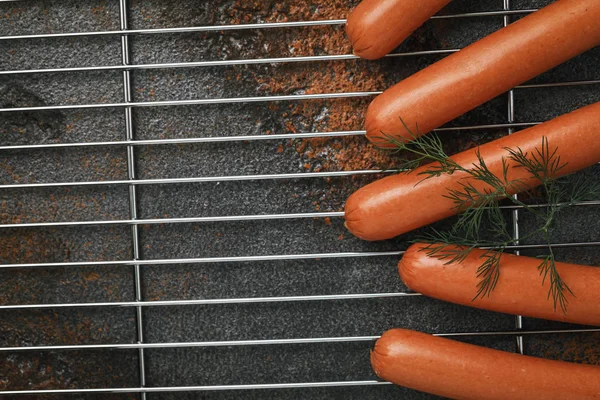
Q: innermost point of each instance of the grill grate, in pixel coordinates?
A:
(140, 284)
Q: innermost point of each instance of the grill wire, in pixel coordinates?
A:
(139, 305)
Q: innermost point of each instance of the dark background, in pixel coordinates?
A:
(237, 365)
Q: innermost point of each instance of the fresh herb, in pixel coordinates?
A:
(477, 205)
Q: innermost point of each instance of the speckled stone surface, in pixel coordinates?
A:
(225, 365)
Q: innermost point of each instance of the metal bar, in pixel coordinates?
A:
(205, 302)
(191, 344)
(272, 342)
(235, 27)
(515, 223)
(229, 218)
(219, 139)
(190, 29)
(156, 221)
(557, 84)
(487, 126)
(278, 257)
(167, 103)
(206, 260)
(515, 212)
(132, 190)
(198, 388)
(219, 63)
(225, 178)
(250, 99)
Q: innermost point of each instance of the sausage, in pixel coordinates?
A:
(519, 289)
(485, 69)
(400, 203)
(464, 371)
(376, 27)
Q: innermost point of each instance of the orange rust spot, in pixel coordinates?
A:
(98, 9)
(290, 128)
(92, 277)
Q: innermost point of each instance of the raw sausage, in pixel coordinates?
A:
(400, 203)
(463, 371)
(519, 289)
(376, 27)
(485, 69)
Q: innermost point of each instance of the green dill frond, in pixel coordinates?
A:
(488, 273)
(497, 223)
(544, 164)
(480, 172)
(425, 149)
(558, 287)
(579, 189)
(469, 223)
(446, 252)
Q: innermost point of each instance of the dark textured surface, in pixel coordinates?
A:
(234, 365)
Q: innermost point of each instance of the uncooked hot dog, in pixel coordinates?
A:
(400, 203)
(519, 289)
(376, 27)
(485, 69)
(463, 371)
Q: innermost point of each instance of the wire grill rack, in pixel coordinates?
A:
(105, 291)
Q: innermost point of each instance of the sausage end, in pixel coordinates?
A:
(406, 270)
(380, 355)
(353, 211)
(393, 351)
(408, 266)
(361, 213)
(375, 125)
(357, 30)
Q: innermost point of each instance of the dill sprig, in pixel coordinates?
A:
(477, 206)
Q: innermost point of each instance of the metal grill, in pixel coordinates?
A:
(163, 231)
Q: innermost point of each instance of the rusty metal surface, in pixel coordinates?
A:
(237, 365)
